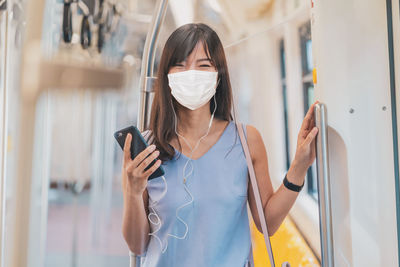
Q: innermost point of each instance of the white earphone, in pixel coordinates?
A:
(153, 212)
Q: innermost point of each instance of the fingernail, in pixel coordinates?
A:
(152, 147)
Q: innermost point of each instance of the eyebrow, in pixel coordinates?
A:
(203, 59)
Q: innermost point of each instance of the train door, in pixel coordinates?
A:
(354, 76)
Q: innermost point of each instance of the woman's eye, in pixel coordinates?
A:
(205, 66)
(178, 65)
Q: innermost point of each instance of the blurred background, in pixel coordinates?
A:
(69, 78)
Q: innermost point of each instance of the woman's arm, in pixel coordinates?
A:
(135, 225)
(277, 204)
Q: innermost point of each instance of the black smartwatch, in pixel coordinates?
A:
(291, 186)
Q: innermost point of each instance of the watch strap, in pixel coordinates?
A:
(290, 186)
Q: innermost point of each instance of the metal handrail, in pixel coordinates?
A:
(147, 80)
(147, 71)
(324, 190)
(4, 141)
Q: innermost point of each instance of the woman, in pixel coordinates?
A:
(196, 214)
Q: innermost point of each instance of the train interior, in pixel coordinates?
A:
(72, 73)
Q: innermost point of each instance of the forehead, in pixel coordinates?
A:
(198, 52)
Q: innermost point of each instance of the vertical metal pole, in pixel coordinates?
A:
(391, 12)
(146, 76)
(135, 260)
(147, 80)
(4, 139)
(324, 191)
(26, 128)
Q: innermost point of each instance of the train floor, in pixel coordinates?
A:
(79, 235)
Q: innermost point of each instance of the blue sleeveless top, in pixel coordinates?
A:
(217, 219)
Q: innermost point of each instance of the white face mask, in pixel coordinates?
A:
(193, 88)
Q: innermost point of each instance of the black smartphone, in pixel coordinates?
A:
(138, 144)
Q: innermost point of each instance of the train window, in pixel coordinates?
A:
(284, 98)
(308, 93)
(306, 46)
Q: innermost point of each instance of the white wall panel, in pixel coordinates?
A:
(350, 47)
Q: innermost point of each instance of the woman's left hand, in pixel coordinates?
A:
(305, 151)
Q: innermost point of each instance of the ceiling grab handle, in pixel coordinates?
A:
(147, 78)
(324, 190)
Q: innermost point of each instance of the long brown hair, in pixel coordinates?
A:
(177, 48)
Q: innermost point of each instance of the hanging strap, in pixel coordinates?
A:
(257, 197)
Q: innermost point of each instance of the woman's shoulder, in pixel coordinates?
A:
(252, 134)
(255, 141)
(250, 131)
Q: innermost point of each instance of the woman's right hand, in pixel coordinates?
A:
(134, 178)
